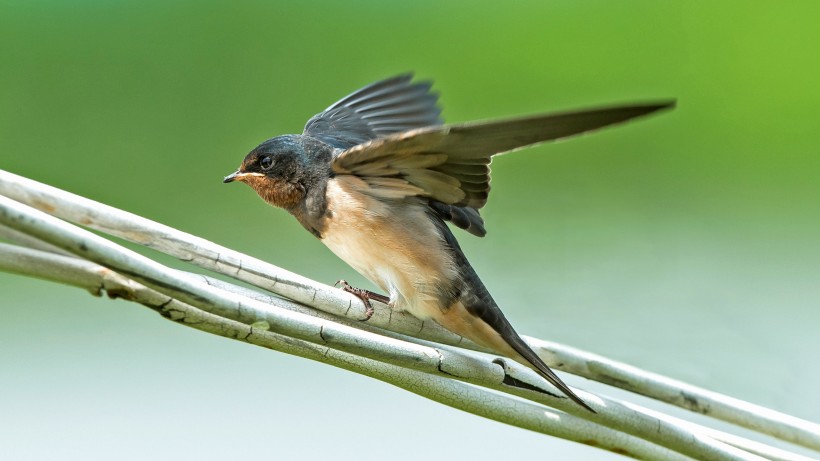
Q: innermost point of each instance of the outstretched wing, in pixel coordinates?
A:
(380, 109)
(450, 163)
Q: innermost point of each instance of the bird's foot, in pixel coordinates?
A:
(364, 295)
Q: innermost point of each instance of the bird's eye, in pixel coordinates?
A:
(266, 162)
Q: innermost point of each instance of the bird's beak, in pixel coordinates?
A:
(240, 176)
(236, 175)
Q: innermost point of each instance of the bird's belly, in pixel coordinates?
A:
(394, 245)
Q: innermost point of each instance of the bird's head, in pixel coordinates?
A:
(276, 171)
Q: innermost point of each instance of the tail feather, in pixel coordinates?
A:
(531, 359)
(488, 327)
(473, 314)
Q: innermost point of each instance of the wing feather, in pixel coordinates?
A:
(380, 109)
(391, 188)
(450, 163)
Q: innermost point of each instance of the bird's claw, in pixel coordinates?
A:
(360, 293)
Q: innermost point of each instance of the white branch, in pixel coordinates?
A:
(97, 279)
(223, 260)
(51, 267)
(299, 324)
(699, 400)
(437, 361)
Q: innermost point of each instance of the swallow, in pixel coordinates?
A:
(377, 176)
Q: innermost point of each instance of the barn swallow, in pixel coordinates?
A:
(377, 175)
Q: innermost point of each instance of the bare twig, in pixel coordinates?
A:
(211, 256)
(98, 280)
(436, 361)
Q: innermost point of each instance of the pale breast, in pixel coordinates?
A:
(392, 243)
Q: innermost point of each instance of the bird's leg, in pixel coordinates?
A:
(364, 295)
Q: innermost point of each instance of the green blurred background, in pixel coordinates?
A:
(685, 244)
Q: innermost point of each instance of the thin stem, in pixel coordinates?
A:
(95, 278)
(214, 257)
(436, 361)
